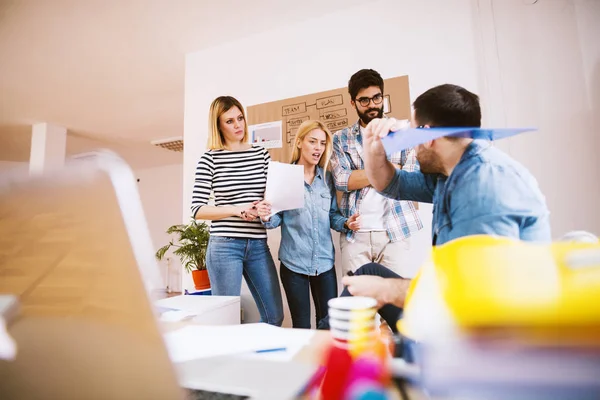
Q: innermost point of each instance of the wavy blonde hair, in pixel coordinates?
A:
(218, 107)
(305, 129)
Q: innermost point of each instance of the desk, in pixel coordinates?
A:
(209, 310)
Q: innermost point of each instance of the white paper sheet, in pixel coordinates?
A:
(285, 186)
(195, 341)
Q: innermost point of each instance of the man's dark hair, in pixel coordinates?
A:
(363, 79)
(448, 106)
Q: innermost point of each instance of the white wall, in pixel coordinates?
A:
(532, 64)
(393, 37)
(545, 60)
(160, 189)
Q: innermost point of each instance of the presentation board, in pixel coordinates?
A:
(274, 124)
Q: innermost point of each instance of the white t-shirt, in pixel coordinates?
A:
(373, 210)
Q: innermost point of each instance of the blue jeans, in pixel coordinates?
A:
(323, 288)
(228, 259)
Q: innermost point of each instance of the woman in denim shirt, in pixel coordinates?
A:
(306, 251)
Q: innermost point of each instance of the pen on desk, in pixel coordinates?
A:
(271, 350)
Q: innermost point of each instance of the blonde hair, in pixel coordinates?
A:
(304, 129)
(218, 107)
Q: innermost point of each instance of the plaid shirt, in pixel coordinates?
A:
(403, 220)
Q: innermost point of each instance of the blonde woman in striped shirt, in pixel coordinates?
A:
(236, 172)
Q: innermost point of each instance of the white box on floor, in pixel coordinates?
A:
(207, 310)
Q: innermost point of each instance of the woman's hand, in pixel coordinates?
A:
(248, 212)
(353, 223)
(263, 208)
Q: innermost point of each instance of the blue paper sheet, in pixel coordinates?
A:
(411, 137)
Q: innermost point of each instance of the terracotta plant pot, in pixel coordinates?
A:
(201, 280)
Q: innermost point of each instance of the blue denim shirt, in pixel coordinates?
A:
(306, 245)
(487, 193)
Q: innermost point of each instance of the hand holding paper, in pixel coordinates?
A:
(285, 186)
(264, 210)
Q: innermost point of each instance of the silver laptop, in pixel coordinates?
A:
(76, 252)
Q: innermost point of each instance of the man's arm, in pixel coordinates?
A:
(379, 170)
(346, 179)
(398, 184)
(358, 180)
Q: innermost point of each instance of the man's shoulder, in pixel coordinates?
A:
(347, 131)
(493, 174)
(494, 161)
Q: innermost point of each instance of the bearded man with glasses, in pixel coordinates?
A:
(386, 225)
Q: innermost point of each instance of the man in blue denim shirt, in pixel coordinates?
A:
(475, 188)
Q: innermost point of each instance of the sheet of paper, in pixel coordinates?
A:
(267, 134)
(411, 137)
(296, 340)
(285, 186)
(195, 341)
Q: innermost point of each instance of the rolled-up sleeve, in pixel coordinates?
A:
(336, 219)
(274, 222)
(340, 165)
(413, 186)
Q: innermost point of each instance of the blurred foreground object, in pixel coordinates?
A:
(355, 365)
(499, 318)
(8, 347)
(76, 252)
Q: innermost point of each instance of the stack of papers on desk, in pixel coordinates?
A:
(194, 342)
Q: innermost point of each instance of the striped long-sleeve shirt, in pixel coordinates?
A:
(236, 178)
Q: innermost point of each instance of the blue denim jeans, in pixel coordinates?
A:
(323, 288)
(228, 259)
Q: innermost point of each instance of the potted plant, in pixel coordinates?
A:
(191, 244)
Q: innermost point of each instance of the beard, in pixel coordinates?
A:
(366, 118)
(428, 163)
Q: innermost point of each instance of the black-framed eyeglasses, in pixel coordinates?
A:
(365, 101)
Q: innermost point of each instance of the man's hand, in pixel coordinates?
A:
(384, 290)
(377, 167)
(353, 223)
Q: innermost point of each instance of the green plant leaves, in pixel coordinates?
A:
(191, 244)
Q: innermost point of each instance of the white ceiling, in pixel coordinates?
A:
(112, 71)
